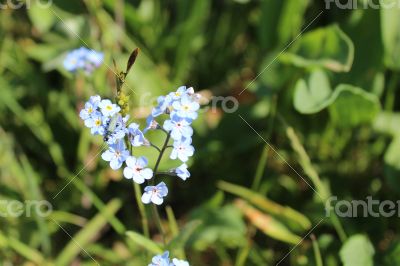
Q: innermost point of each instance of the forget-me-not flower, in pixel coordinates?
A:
(94, 58)
(186, 107)
(84, 59)
(95, 123)
(182, 150)
(108, 108)
(90, 107)
(161, 260)
(75, 59)
(112, 135)
(116, 154)
(182, 172)
(136, 136)
(177, 262)
(179, 93)
(164, 103)
(155, 194)
(179, 127)
(136, 169)
(151, 124)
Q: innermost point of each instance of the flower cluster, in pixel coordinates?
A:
(164, 260)
(83, 59)
(104, 118)
(182, 107)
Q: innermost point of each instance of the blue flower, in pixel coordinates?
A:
(182, 150)
(95, 123)
(136, 169)
(108, 108)
(182, 172)
(116, 155)
(186, 107)
(136, 136)
(84, 59)
(75, 59)
(90, 107)
(161, 260)
(164, 104)
(155, 194)
(181, 91)
(94, 59)
(151, 124)
(177, 262)
(179, 127)
(112, 135)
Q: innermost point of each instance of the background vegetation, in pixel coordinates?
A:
(318, 116)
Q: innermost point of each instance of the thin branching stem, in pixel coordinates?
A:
(155, 147)
(155, 210)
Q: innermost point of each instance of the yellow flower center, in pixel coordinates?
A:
(97, 122)
(109, 107)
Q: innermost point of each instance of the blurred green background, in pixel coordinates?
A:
(318, 116)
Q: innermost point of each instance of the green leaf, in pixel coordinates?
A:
(327, 47)
(144, 242)
(353, 106)
(392, 256)
(178, 243)
(291, 19)
(390, 23)
(22, 249)
(312, 96)
(357, 251)
(223, 226)
(267, 224)
(388, 123)
(392, 155)
(87, 234)
(348, 105)
(266, 205)
(42, 17)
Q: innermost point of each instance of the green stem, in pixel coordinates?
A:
(155, 210)
(165, 173)
(338, 227)
(391, 92)
(161, 153)
(159, 224)
(312, 173)
(264, 155)
(317, 252)
(155, 147)
(145, 222)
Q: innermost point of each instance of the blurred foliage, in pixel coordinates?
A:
(319, 85)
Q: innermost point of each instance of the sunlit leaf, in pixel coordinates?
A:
(357, 251)
(327, 47)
